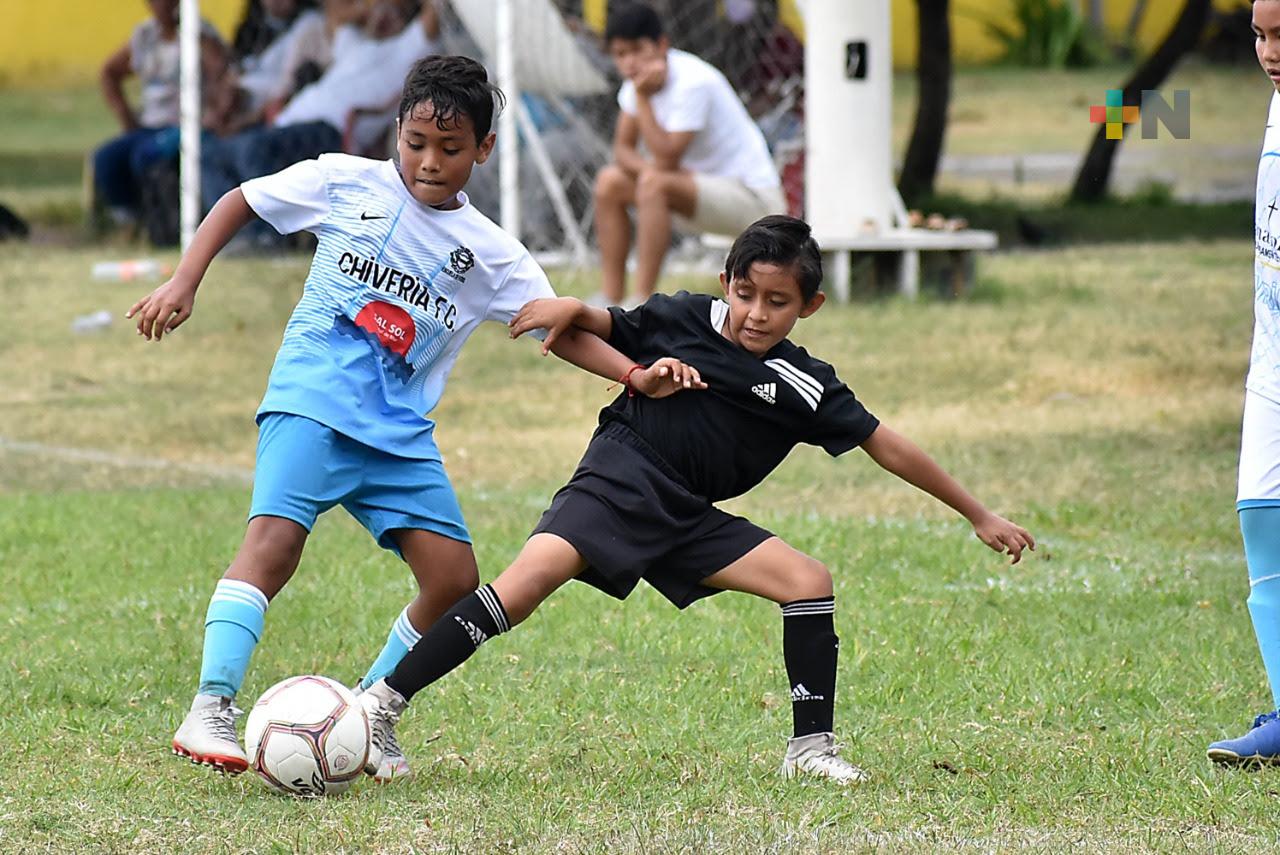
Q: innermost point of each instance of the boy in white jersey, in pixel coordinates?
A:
(683, 146)
(1258, 494)
(404, 270)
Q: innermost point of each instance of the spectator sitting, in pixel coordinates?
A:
(264, 22)
(150, 134)
(369, 66)
(280, 24)
(297, 58)
(704, 160)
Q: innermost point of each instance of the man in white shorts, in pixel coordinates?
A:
(684, 148)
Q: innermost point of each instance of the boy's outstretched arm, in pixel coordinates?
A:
(899, 455)
(165, 309)
(558, 315)
(579, 334)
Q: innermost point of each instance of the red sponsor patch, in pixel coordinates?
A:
(391, 324)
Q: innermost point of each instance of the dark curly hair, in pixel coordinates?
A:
(778, 239)
(456, 86)
(633, 21)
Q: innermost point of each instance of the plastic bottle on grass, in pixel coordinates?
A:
(92, 322)
(130, 269)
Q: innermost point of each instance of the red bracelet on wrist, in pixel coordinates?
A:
(625, 379)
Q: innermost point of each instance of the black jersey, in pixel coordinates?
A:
(726, 438)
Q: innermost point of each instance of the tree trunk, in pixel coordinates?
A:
(1095, 15)
(1095, 171)
(933, 74)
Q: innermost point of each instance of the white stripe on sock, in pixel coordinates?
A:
(405, 632)
(493, 607)
(235, 597)
(1262, 579)
(245, 588)
(239, 601)
(819, 608)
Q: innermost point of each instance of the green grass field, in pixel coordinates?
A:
(1063, 704)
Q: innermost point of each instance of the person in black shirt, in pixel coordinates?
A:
(641, 503)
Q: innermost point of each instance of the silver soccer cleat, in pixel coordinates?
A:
(208, 735)
(818, 755)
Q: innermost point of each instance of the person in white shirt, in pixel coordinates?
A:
(684, 148)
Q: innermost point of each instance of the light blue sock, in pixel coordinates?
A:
(232, 627)
(1260, 527)
(402, 637)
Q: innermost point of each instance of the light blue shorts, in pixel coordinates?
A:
(305, 468)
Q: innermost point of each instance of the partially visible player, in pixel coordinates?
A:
(1258, 492)
(642, 503)
(404, 270)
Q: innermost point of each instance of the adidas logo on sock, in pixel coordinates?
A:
(800, 693)
(477, 634)
(766, 391)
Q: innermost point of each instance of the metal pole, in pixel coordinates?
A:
(190, 107)
(508, 139)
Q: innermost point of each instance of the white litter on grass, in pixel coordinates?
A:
(94, 455)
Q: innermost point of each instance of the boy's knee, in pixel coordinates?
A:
(272, 547)
(455, 584)
(651, 188)
(612, 185)
(810, 579)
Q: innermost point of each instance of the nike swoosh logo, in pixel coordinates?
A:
(365, 216)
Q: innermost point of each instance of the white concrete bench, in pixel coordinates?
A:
(908, 244)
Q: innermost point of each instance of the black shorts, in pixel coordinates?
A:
(632, 517)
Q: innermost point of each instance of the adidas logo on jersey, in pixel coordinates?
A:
(766, 391)
(477, 634)
(800, 693)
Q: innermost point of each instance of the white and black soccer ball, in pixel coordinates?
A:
(308, 736)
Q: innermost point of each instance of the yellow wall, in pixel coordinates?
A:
(59, 40)
(973, 45)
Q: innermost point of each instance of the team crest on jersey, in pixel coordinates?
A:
(460, 261)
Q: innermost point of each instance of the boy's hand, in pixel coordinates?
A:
(666, 377)
(1003, 536)
(164, 309)
(555, 315)
(652, 76)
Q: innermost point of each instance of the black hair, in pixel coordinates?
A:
(456, 86)
(633, 21)
(778, 239)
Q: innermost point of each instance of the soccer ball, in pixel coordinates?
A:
(308, 736)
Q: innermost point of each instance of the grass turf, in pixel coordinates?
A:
(1091, 394)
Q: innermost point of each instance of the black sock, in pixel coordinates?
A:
(810, 647)
(450, 641)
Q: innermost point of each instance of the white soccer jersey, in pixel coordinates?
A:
(1260, 438)
(1264, 364)
(394, 290)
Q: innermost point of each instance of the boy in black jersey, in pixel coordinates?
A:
(641, 503)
